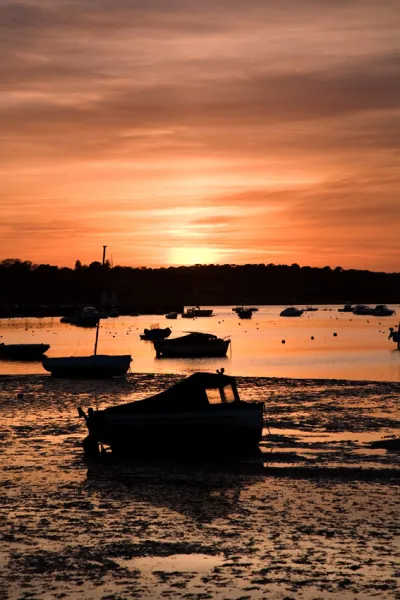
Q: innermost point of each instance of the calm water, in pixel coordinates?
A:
(360, 350)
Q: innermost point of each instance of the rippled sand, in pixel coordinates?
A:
(315, 516)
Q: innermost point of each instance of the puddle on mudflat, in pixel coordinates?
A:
(318, 437)
(183, 563)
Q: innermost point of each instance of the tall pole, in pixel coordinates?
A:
(98, 321)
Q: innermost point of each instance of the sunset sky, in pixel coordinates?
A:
(199, 131)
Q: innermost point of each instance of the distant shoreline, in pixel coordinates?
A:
(40, 311)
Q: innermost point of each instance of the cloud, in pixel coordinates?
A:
(281, 123)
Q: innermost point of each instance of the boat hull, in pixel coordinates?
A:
(166, 349)
(84, 322)
(245, 314)
(23, 351)
(219, 429)
(97, 366)
(191, 313)
(153, 335)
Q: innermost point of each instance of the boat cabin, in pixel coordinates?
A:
(197, 392)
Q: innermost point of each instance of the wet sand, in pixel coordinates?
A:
(316, 515)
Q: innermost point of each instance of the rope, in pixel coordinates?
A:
(266, 419)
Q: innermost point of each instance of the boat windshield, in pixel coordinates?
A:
(221, 395)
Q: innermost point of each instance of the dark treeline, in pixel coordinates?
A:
(25, 284)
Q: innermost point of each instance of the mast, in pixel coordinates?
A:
(98, 320)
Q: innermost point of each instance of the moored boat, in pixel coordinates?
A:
(202, 414)
(362, 309)
(348, 307)
(87, 317)
(194, 344)
(191, 313)
(96, 366)
(171, 315)
(381, 310)
(244, 313)
(291, 311)
(23, 351)
(155, 333)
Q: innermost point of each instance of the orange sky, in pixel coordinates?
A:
(181, 132)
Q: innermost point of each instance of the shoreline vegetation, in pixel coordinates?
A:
(45, 290)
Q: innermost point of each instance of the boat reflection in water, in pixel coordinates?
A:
(203, 492)
(202, 414)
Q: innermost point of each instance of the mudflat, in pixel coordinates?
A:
(315, 515)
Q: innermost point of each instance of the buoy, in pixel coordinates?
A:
(283, 342)
(335, 334)
(312, 337)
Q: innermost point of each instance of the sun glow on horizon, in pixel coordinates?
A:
(192, 255)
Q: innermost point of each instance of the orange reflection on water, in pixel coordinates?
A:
(322, 344)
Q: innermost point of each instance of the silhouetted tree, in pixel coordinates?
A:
(22, 283)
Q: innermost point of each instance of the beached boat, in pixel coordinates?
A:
(362, 309)
(95, 366)
(171, 315)
(194, 344)
(291, 311)
(381, 310)
(191, 313)
(202, 414)
(155, 333)
(23, 351)
(244, 313)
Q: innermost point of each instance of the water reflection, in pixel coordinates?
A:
(201, 494)
(359, 350)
